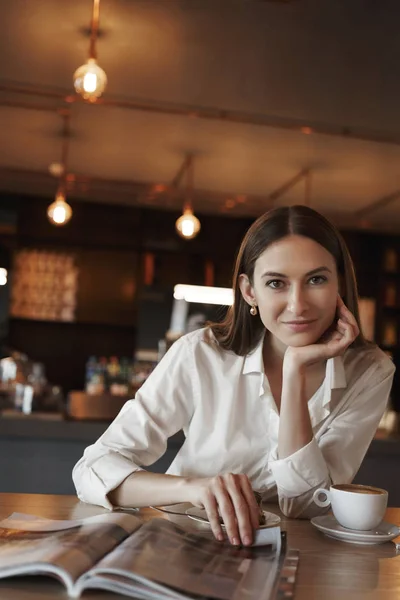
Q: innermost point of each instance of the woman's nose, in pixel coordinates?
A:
(297, 301)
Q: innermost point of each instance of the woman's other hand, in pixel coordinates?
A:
(334, 343)
(228, 497)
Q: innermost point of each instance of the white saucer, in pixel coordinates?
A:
(331, 528)
(199, 514)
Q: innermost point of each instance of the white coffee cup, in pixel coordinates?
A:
(354, 506)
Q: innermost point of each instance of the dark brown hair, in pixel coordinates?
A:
(240, 331)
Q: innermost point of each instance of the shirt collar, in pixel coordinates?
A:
(320, 405)
(253, 362)
(335, 376)
(336, 372)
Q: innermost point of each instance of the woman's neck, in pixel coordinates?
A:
(273, 351)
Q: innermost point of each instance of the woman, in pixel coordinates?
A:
(283, 397)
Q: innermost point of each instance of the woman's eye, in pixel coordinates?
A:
(275, 284)
(317, 279)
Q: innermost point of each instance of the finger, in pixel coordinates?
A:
(348, 333)
(348, 316)
(248, 493)
(341, 327)
(354, 329)
(337, 336)
(241, 508)
(211, 508)
(228, 514)
(340, 341)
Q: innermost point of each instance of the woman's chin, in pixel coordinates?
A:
(298, 340)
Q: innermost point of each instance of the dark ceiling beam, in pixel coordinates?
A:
(307, 188)
(280, 191)
(182, 170)
(81, 187)
(377, 205)
(29, 90)
(26, 105)
(211, 113)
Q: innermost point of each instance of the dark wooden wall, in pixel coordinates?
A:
(110, 244)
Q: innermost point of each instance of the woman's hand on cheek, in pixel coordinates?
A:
(334, 344)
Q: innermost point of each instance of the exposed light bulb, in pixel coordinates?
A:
(188, 226)
(59, 212)
(90, 80)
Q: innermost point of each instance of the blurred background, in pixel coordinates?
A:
(139, 140)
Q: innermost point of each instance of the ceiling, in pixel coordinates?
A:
(260, 92)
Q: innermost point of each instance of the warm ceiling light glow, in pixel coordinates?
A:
(188, 226)
(90, 80)
(56, 169)
(59, 212)
(203, 294)
(3, 276)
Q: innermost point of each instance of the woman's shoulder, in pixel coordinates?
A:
(202, 343)
(201, 339)
(368, 361)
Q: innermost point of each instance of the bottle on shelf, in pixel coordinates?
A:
(90, 370)
(390, 260)
(117, 373)
(390, 333)
(124, 376)
(94, 377)
(390, 294)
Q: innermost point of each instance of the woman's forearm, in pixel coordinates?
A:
(144, 488)
(295, 430)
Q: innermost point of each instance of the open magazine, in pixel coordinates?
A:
(155, 560)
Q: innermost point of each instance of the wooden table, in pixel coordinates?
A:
(329, 569)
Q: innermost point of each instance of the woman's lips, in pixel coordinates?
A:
(299, 326)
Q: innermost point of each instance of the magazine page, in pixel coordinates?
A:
(127, 586)
(162, 554)
(67, 552)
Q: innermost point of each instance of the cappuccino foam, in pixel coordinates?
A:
(359, 489)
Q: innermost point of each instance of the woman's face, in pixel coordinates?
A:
(295, 287)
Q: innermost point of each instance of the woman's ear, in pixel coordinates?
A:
(247, 289)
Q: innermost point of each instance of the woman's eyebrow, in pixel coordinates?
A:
(312, 272)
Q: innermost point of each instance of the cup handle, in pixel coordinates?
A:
(321, 503)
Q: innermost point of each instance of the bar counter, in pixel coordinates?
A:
(37, 455)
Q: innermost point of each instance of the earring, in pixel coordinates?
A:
(253, 310)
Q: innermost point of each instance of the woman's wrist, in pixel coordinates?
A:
(189, 487)
(292, 364)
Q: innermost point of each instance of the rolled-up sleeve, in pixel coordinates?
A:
(138, 436)
(335, 453)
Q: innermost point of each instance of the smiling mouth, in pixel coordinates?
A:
(299, 322)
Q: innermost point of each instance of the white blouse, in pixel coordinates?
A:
(224, 405)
